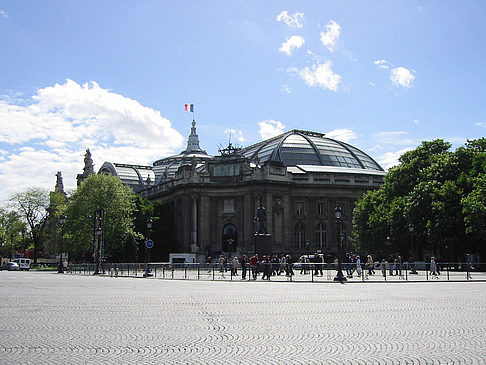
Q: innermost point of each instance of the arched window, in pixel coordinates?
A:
(230, 238)
(321, 235)
(300, 235)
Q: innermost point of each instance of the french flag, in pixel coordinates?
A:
(189, 108)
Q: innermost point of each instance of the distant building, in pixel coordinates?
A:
(300, 177)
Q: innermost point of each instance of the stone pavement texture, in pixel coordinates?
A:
(48, 318)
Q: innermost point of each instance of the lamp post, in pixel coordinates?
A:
(99, 221)
(338, 213)
(148, 245)
(411, 230)
(62, 222)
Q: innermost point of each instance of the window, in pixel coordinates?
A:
(321, 235)
(299, 208)
(230, 238)
(321, 208)
(229, 206)
(300, 235)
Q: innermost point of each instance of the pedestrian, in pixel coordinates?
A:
(267, 267)
(290, 266)
(317, 264)
(234, 266)
(254, 266)
(358, 266)
(433, 267)
(349, 265)
(370, 265)
(283, 265)
(243, 263)
(398, 265)
(383, 268)
(221, 263)
(391, 264)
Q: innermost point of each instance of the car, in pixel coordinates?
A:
(24, 264)
(13, 266)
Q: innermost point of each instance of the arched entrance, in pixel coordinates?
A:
(230, 238)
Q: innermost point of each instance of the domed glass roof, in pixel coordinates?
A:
(309, 148)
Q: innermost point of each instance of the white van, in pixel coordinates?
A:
(24, 264)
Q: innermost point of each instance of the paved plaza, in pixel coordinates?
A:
(49, 318)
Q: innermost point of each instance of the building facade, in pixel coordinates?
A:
(299, 177)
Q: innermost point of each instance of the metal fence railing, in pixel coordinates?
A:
(299, 272)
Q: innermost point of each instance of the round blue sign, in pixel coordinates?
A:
(149, 243)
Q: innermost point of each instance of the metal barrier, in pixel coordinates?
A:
(299, 272)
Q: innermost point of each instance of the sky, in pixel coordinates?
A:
(114, 76)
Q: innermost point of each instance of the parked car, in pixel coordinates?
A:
(13, 266)
(24, 264)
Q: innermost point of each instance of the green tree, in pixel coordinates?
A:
(32, 205)
(12, 233)
(57, 206)
(440, 192)
(118, 202)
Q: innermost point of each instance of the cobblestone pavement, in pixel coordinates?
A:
(48, 318)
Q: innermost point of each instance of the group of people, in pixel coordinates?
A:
(270, 265)
(273, 265)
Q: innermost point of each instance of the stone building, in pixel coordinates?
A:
(299, 177)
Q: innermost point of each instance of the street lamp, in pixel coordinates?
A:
(148, 245)
(338, 213)
(411, 230)
(62, 222)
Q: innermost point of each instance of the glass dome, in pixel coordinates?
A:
(299, 147)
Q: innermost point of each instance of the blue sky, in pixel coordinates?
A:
(113, 76)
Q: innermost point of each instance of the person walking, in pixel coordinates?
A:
(254, 266)
(383, 268)
(290, 269)
(358, 266)
(433, 268)
(398, 266)
(283, 265)
(370, 265)
(318, 259)
(243, 263)
(234, 266)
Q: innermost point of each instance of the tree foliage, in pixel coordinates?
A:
(441, 193)
(118, 202)
(12, 233)
(31, 205)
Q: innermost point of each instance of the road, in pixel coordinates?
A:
(49, 318)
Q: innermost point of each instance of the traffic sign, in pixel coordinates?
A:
(149, 243)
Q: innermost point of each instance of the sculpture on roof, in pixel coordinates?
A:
(59, 184)
(88, 168)
(88, 163)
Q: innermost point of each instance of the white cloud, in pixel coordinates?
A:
(371, 83)
(390, 159)
(270, 128)
(238, 134)
(51, 131)
(293, 20)
(321, 75)
(480, 124)
(383, 64)
(401, 76)
(294, 42)
(285, 88)
(330, 37)
(343, 135)
(3, 14)
(416, 121)
(394, 138)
